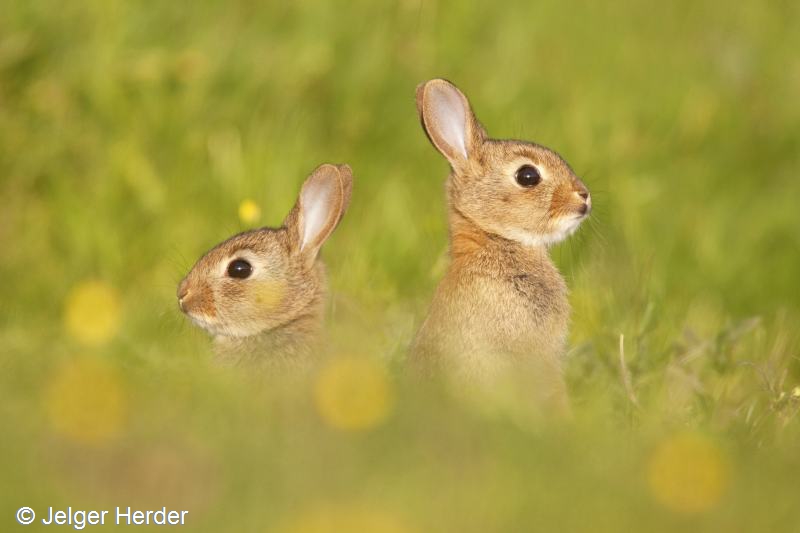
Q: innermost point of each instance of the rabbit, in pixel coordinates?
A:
(261, 293)
(501, 310)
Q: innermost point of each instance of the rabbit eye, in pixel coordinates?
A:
(528, 176)
(239, 268)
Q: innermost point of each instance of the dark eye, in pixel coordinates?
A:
(528, 176)
(239, 268)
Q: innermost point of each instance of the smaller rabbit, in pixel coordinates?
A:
(501, 309)
(261, 293)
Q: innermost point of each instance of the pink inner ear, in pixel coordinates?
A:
(317, 202)
(449, 118)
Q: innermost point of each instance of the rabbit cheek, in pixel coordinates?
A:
(207, 307)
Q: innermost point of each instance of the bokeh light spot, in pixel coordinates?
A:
(92, 312)
(86, 401)
(249, 212)
(268, 294)
(353, 393)
(687, 473)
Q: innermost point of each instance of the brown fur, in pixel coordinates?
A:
(500, 313)
(274, 317)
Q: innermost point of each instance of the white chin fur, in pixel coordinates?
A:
(218, 330)
(565, 227)
(204, 323)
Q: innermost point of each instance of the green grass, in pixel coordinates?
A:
(130, 132)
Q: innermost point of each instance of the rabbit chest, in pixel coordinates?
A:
(498, 306)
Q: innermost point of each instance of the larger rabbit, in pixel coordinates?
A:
(501, 309)
(261, 293)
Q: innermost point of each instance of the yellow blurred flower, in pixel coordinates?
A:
(249, 212)
(353, 393)
(92, 312)
(329, 518)
(268, 294)
(687, 473)
(796, 392)
(85, 401)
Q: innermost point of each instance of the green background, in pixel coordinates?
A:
(130, 132)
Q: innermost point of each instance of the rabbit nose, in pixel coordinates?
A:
(182, 301)
(183, 293)
(583, 192)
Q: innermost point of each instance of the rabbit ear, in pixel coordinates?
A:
(346, 181)
(323, 200)
(448, 120)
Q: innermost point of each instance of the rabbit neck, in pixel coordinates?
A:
(517, 272)
(291, 345)
(469, 242)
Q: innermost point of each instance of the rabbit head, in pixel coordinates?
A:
(518, 190)
(261, 279)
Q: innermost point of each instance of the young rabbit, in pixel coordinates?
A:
(501, 309)
(261, 292)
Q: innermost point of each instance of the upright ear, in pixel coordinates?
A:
(448, 120)
(323, 200)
